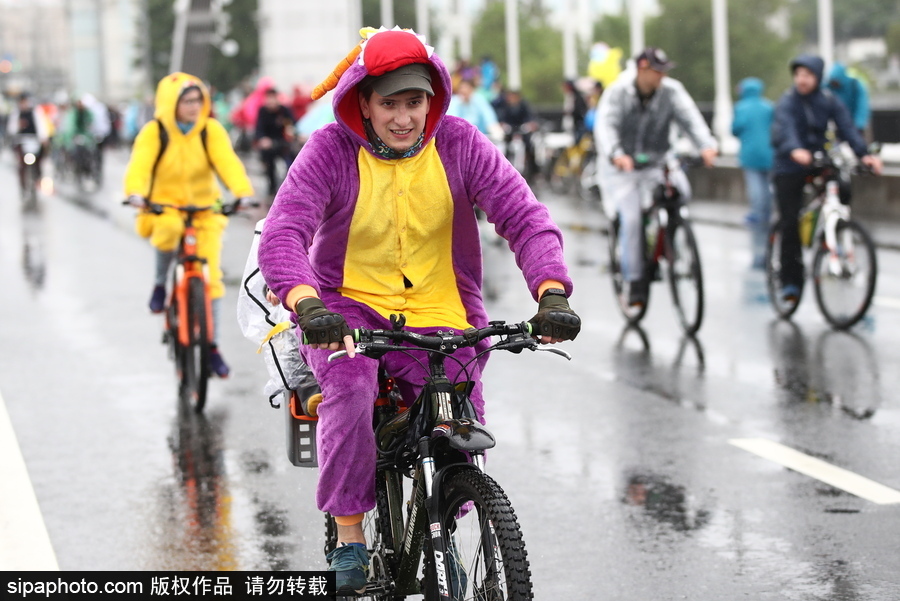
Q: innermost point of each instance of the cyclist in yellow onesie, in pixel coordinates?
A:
(175, 160)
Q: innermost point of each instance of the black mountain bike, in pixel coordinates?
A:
(458, 524)
(667, 236)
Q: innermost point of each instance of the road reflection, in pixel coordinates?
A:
(838, 367)
(665, 502)
(681, 379)
(214, 520)
(34, 262)
(200, 533)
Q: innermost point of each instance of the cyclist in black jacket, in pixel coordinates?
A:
(27, 119)
(802, 118)
(274, 134)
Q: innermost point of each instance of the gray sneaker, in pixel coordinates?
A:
(350, 564)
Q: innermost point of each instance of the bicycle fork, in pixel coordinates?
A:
(835, 212)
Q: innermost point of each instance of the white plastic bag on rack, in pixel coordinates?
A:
(270, 328)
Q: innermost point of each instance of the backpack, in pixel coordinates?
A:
(270, 329)
(164, 142)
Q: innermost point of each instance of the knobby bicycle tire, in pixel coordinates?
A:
(855, 263)
(196, 354)
(773, 275)
(487, 535)
(684, 267)
(632, 314)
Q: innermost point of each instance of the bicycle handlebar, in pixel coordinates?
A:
(823, 160)
(518, 337)
(227, 209)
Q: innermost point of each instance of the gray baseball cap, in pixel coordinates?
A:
(414, 76)
(656, 58)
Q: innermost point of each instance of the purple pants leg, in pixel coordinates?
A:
(344, 435)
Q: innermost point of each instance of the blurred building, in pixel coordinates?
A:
(105, 46)
(71, 46)
(301, 41)
(35, 47)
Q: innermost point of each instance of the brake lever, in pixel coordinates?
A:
(555, 351)
(337, 355)
(516, 345)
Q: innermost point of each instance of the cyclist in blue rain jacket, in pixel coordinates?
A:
(802, 118)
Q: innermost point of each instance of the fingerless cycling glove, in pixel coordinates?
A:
(554, 317)
(319, 325)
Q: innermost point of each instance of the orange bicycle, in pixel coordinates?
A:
(189, 326)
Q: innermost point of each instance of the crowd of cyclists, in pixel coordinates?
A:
(335, 272)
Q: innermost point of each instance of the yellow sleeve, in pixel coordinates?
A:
(144, 153)
(226, 162)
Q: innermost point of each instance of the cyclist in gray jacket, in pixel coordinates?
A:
(633, 134)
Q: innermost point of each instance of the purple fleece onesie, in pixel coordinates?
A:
(305, 240)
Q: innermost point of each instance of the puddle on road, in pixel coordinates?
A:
(206, 522)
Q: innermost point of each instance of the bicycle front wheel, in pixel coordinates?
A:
(485, 556)
(685, 275)
(784, 308)
(632, 313)
(844, 277)
(196, 368)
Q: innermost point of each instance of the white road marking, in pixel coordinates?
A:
(820, 470)
(24, 541)
(887, 301)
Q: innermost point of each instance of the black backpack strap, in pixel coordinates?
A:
(203, 135)
(164, 141)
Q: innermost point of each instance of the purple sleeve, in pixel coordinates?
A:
(509, 203)
(296, 213)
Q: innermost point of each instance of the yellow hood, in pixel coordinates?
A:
(167, 94)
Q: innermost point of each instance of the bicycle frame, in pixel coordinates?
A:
(189, 266)
(659, 212)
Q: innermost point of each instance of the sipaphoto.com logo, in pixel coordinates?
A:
(60, 586)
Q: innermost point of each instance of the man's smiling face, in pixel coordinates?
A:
(399, 119)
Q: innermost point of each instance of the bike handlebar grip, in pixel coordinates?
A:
(135, 200)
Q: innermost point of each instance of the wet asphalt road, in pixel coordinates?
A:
(618, 463)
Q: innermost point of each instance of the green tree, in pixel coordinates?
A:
(540, 48)
(892, 38)
(156, 46)
(404, 14)
(860, 18)
(684, 30)
(226, 72)
(614, 30)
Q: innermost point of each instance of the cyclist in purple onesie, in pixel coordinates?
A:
(377, 217)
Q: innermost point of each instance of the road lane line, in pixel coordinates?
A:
(887, 301)
(820, 470)
(24, 541)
